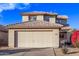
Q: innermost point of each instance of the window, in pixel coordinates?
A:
(57, 21)
(60, 21)
(32, 18)
(46, 18)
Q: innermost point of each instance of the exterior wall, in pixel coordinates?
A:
(52, 19)
(11, 38)
(54, 42)
(3, 38)
(56, 37)
(40, 17)
(24, 18)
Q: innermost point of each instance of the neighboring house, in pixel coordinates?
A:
(37, 30)
(3, 36)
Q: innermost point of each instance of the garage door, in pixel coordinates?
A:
(36, 39)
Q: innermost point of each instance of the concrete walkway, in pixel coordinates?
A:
(72, 52)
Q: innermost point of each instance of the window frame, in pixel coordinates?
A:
(46, 18)
(32, 18)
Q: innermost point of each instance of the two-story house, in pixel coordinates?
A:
(37, 30)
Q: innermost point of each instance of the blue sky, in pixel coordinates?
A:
(10, 13)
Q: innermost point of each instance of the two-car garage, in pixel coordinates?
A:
(34, 38)
(36, 34)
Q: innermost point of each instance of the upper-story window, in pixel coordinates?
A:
(60, 21)
(32, 18)
(46, 18)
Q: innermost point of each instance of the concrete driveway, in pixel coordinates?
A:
(39, 52)
(29, 52)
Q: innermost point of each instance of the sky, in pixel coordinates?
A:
(10, 12)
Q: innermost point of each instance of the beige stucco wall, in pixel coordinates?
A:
(11, 38)
(40, 17)
(56, 37)
(51, 36)
(52, 19)
(24, 18)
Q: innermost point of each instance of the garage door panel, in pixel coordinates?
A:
(36, 39)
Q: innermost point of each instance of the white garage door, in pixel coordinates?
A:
(36, 39)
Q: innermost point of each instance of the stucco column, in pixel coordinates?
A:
(11, 38)
(52, 19)
(55, 34)
(25, 18)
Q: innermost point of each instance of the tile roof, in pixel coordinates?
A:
(62, 17)
(34, 25)
(37, 13)
(66, 28)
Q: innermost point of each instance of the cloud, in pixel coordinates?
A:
(12, 6)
